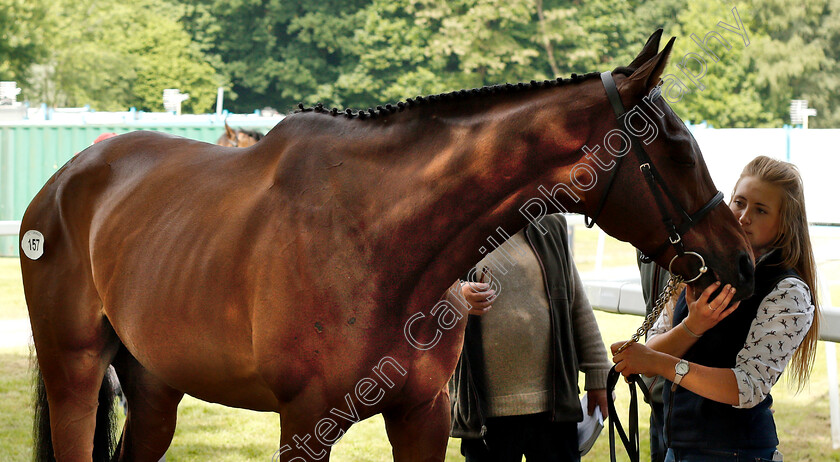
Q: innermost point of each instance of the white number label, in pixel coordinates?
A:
(32, 244)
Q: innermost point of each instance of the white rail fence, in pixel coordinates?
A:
(9, 228)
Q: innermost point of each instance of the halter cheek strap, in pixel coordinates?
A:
(654, 180)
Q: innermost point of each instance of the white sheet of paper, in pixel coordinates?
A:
(590, 427)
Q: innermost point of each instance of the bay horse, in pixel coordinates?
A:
(239, 138)
(303, 275)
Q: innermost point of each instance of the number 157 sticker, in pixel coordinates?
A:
(32, 244)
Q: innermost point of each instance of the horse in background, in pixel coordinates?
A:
(239, 138)
(304, 276)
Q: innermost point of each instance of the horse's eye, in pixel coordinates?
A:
(683, 151)
(683, 161)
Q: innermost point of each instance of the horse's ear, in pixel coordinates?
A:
(649, 50)
(229, 132)
(647, 76)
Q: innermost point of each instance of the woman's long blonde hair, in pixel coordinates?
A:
(794, 243)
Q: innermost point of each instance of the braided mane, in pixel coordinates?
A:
(458, 95)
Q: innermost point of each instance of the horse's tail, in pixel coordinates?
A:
(104, 439)
(41, 431)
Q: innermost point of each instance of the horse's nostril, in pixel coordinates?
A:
(745, 268)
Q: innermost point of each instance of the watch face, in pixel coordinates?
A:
(682, 368)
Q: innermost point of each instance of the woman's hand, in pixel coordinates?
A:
(703, 314)
(479, 295)
(638, 359)
(597, 398)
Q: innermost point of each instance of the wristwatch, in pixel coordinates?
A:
(681, 369)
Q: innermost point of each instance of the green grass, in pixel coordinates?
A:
(15, 410)
(616, 253)
(212, 432)
(205, 431)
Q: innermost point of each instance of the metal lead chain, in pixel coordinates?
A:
(661, 301)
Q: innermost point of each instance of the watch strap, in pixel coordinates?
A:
(677, 376)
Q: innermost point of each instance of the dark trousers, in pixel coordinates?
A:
(710, 455)
(534, 436)
(657, 439)
(657, 416)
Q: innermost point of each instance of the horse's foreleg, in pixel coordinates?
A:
(308, 431)
(299, 444)
(304, 436)
(152, 411)
(420, 432)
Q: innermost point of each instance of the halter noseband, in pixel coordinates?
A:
(653, 178)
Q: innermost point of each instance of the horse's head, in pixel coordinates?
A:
(239, 138)
(677, 216)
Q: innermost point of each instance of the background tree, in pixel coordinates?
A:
(22, 38)
(113, 55)
(360, 53)
(797, 56)
(166, 57)
(277, 53)
(732, 96)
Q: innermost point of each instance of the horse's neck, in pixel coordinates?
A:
(495, 162)
(453, 196)
(420, 191)
(440, 168)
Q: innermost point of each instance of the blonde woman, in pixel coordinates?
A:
(720, 358)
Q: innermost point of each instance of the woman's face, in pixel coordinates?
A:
(757, 206)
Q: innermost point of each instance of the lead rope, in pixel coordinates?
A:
(630, 440)
(670, 287)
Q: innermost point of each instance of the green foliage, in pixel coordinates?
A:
(83, 66)
(363, 53)
(360, 53)
(731, 97)
(166, 57)
(798, 56)
(22, 41)
(792, 54)
(113, 55)
(276, 51)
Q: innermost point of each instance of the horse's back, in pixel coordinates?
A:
(65, 207)
(149, 227)
(94, 185)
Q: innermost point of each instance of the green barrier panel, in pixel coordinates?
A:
(31, 153)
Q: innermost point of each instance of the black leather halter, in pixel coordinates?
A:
(655, 183)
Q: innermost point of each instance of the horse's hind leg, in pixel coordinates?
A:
(75, 343)
(73, 374)
(420, 431)
(152, 411)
